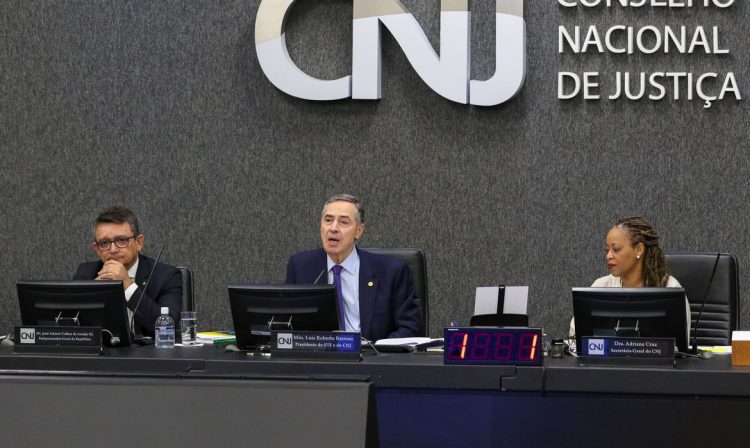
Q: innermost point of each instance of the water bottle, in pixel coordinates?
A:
(164, 329)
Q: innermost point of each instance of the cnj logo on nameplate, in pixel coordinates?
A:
(27, 335)
(595, 347)
(626, 347)
(447, 72)
(316, 345)
(58, 339)
(284, 341)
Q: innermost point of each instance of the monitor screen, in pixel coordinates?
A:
(87, 303)
(257, 309)
(631, 312)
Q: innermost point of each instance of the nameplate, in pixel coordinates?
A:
(625, 350)
(58, 340)
(312, 345)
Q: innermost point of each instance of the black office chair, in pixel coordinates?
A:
(187, 288)
(499, 320)
(417, 263)
(721, 314)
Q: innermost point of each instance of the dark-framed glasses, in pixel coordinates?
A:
(121, 242)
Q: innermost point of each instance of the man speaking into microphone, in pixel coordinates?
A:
(118, 243)
(376, 293)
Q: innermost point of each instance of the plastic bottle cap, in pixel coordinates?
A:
(165, 310)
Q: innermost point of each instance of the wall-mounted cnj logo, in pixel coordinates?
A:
(447, 73)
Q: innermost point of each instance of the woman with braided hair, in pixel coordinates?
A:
(635, 260)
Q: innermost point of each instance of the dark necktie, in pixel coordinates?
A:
(337, 282)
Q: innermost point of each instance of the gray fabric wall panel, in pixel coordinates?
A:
(162, 106)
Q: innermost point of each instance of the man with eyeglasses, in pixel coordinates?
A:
(118, 243)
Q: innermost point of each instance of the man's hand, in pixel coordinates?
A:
(114, 270)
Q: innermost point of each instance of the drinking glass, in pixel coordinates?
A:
(188, 327)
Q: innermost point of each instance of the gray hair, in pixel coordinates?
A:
(360, 215)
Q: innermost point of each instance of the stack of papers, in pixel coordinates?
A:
(407, 344)
(716, 349)
(216, 337)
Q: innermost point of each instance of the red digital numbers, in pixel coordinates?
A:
(527, 347)
(493, 346)
(457, 345)
(480, 346)
(503, 346)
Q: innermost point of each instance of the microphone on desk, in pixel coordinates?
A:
(694, 349)
(145, 287)
(320, 275)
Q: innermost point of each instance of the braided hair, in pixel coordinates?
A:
(638, 230)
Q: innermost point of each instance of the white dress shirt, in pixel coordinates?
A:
(130, 290)
(349, 289)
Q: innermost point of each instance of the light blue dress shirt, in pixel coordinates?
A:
(349, 288)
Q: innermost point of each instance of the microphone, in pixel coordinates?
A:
(145, 287)
(320, 275)
(704, 355)
(694, 348)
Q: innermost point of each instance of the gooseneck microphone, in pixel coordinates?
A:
(320, 275)
(145, 287)
(694, 348)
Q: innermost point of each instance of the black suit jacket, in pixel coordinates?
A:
(386, 292)
(164, 288)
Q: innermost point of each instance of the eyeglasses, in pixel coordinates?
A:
(121, 242)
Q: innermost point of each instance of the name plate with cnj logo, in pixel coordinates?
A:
(628, 350)
(58, 340)
(312, 345)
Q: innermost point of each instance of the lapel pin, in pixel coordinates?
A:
(370, 283)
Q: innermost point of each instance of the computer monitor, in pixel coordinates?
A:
(258, 309)
(87, 303)
(632, 312)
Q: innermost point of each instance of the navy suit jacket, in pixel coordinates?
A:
(387, 308)
(164, 288)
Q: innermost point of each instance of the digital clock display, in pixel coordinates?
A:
(493, 346)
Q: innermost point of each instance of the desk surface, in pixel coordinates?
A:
(423, 403)
(697, 377)
(413, 370)
(690, 376)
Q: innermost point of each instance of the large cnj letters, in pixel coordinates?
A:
(270, 45)
(448, 73)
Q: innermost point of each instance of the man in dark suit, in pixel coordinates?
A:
(118, 243)
(376, 292)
